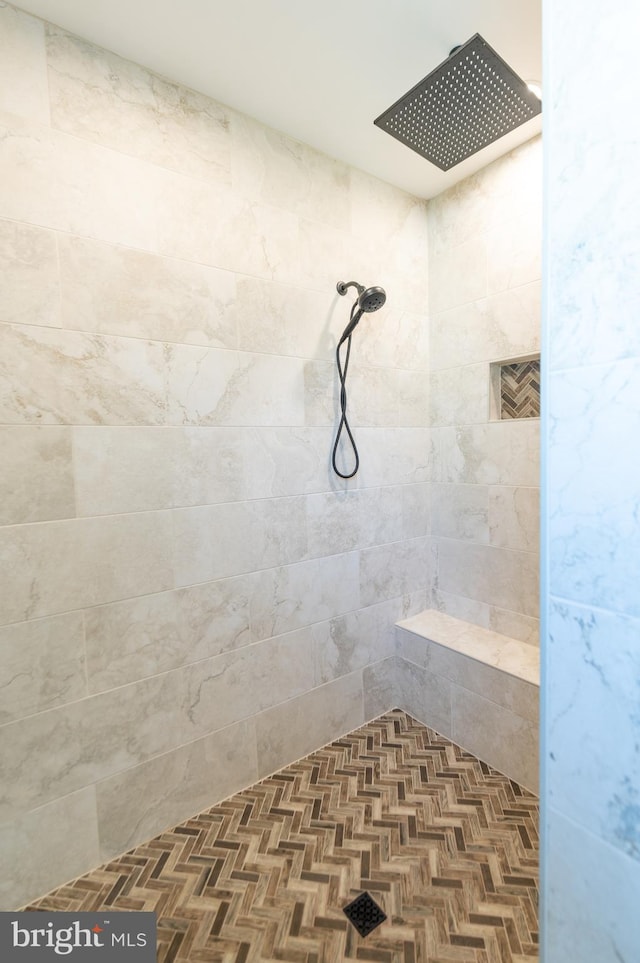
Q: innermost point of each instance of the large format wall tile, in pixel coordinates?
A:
(497, 576)
(41, 459)
(289, 731)
(110, 289)
(98, 96)
(29, 268)
(175, 785)
(52, 567)
(23, 66)
(49, 845)
(42, 665)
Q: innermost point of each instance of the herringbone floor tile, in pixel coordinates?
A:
(446, 846)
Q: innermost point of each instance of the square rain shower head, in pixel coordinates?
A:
(466, 103)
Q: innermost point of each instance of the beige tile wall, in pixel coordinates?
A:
(189, 598)
(484, 284)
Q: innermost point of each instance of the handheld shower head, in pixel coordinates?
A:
(369, 299)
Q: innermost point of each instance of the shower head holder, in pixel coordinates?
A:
(343, 286)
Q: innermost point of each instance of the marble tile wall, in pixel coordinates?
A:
(591, 515)
(484, 290)
(189, 599)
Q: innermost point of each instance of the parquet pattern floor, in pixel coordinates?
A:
(444, 844)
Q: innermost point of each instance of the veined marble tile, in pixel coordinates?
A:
(458, 274)
(343, 521)
(326, 256)
(395, 338)
(216, 387)
(458, 606)
(36, 479)
(176, 784)
(141, 637)
(98, 192)
(23, 66)
(48, 376)
(388, 571)
(424, 695)
(355, 640)
(416, 510)
(53, 567)
(514, 518)
(379, 682)
(504, 739)
(29, 268)
(293, 596)
(503, 326)
(84, 741)
(239, 684)
(592, 503)
(128, 469)
(516, 246)
(41, 847)
(460, 511)
(594, 767)
(210, 223)
(286, 460)
(276, 169)
(283, 319)
(515, 625)
(109, 289)
(593, 894)
(460, 396)
(498, 453)
(292, 730)
(413, 400)
(495, 576)
(99, 96)
(393, 456)
(42, 665)
(218, 541)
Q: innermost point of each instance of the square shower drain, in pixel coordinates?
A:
(364, 913)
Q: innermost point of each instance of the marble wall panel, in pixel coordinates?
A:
(600, 415)
(500, 453)
(460, 607)
(460, 396)
(292, 730)
(458, 274)
(285, 319)
(514, 518)
(218, 541)
(23, 66)
(41, 459)
(96, 190)
(82, 378)
(53, 567)
(496, 576)
(298, 595)
(276, 169)
(42, 665)
(111, 289)
(48, 846)
(100, 97)
(526, 628)
(380, 688)
(140, 637)
(176, 785)
(29, 268)
(388, 571)
(424, 695)
(286, 461)
(416, 510)
(504, 739)
(460, 511)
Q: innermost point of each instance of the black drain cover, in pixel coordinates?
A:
(364, 913)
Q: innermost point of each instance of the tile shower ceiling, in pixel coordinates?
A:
(327, 69)
(445, 845)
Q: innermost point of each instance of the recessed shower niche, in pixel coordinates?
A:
(515, 388)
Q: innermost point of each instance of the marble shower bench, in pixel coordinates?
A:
(478, 688)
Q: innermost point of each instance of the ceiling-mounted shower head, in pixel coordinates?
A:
(467, 102)
(369, 299)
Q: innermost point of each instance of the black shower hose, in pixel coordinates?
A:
(342, 374)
